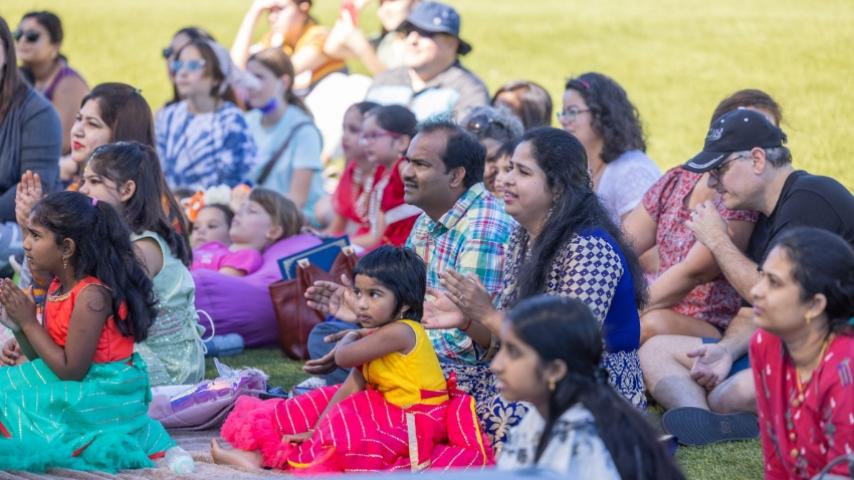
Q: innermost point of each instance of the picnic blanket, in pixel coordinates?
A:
(196, 443)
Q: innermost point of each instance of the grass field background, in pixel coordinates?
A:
(676, 59)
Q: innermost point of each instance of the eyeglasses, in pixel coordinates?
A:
(372, 136)
(191, 65)
(167, 52)
(31, 36)
(570, 114)
(722, 168)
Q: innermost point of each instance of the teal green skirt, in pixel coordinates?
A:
(99, 423)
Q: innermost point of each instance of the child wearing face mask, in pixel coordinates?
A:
(265, 218)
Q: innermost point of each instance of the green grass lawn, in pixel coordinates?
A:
(738, 460)
(676, 58)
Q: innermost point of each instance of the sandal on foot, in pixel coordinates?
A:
(697, 426)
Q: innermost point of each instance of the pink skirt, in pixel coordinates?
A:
(362, 433)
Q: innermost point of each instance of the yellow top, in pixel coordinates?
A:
(402, 377)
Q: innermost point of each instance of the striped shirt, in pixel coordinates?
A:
(470, 238)
(204, 150)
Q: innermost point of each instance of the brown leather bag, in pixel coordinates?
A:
(293, 315)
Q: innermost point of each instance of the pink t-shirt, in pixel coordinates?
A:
(216, 255)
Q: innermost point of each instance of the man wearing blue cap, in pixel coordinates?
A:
(751, 169)
(432, 82)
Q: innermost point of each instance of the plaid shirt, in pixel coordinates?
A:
(470, 238)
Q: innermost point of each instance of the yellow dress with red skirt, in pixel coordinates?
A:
(408, 418)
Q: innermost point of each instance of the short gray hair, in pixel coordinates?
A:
(496, 123)
(778, 156)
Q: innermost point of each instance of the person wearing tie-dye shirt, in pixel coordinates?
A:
(802, 354)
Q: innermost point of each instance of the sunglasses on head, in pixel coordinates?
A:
(481, 124)
(191, 65)
(31, 36)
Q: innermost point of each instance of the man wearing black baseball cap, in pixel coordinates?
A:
(432, 81)
(749, 166)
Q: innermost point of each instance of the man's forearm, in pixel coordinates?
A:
(740, 271)
(736, 338)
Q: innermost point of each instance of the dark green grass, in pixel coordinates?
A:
(730, 461)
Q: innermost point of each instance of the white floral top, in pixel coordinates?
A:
(575, 448)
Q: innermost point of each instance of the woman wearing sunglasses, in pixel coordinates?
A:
(170, 53)
(38, 40)
(203, 140)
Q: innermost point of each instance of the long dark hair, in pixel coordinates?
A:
(125, 111)
(563, 160)
(615, 118)
(823, 262)
(563, 329)
(13, 88)
(194, 33)
(103, 251)
(278, 62)
(400, 270)
(145, 210)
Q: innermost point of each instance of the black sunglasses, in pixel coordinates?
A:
(409, 28)
(31, 36)
(483, 123)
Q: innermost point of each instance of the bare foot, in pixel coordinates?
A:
(238, 458)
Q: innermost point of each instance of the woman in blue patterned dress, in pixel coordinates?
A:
(565, 245)
(203, 140)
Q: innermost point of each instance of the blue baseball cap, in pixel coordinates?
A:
(435, 17)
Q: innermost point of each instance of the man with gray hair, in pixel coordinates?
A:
(707, 384)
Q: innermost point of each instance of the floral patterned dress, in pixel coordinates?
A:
(666, 202)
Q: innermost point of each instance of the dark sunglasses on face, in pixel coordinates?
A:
(31, 36)
(421, 32)
(191, 65)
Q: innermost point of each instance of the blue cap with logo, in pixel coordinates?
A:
(435, 17)
(735, 131)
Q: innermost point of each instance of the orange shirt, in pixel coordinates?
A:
(312, 35)
(112, 345)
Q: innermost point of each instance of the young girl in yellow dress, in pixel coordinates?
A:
(394, 411)
(82, 400)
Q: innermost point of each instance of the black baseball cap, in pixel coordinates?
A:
(735, 131)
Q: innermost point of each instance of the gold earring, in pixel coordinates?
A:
(552, 385)
(808, 319)
(65, 264)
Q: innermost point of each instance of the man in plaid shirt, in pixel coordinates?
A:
(463, 227)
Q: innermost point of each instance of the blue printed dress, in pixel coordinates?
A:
(202, 150)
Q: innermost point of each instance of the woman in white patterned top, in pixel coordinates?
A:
(599, 113)
(550, 353)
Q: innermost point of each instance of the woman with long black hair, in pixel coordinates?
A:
(551, 351)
